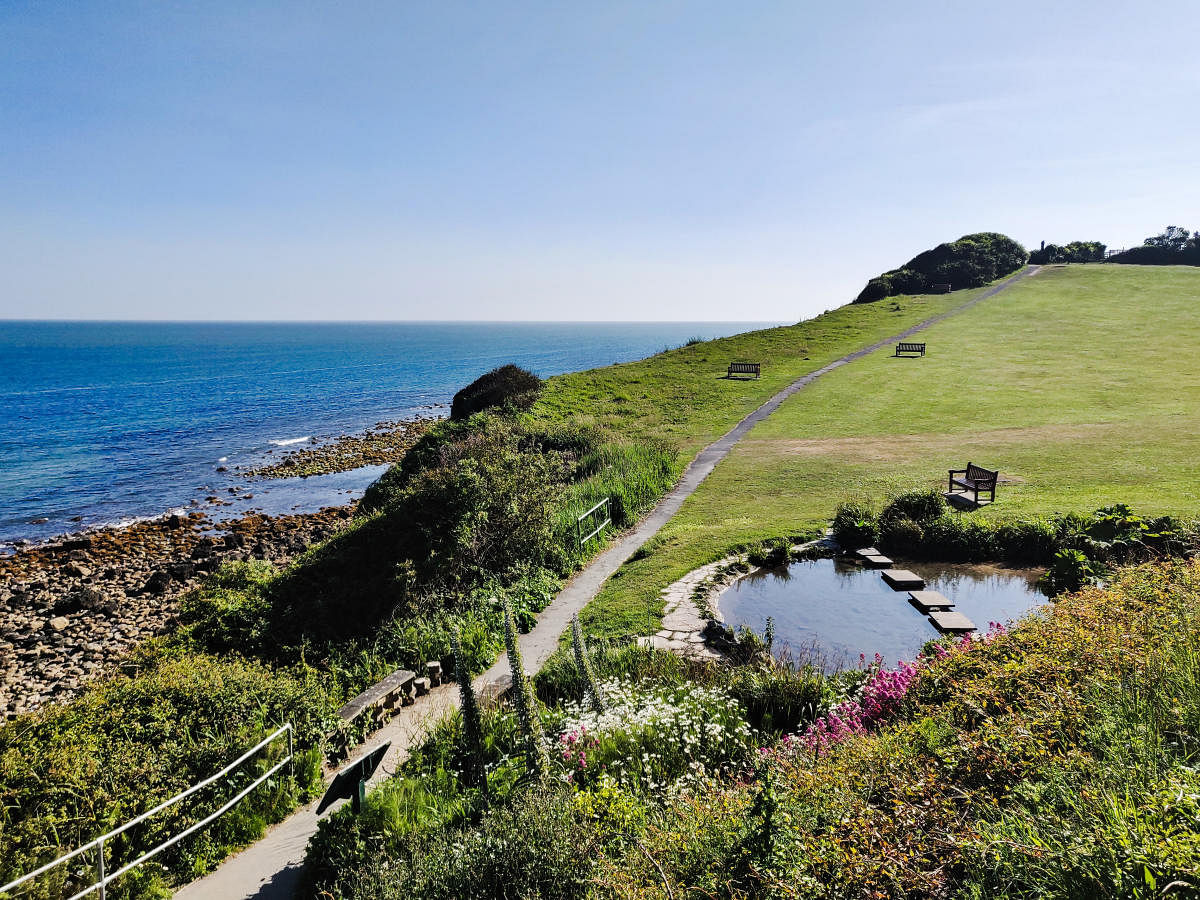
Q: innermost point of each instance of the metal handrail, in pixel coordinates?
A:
(99, 842)
(605, 503)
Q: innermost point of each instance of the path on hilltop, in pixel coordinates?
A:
(270, 869)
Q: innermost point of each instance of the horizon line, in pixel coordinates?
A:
(32, 321)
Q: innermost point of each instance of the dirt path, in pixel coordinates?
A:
(270, 869)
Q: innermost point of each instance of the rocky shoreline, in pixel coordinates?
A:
(70, 609)
(385, 442)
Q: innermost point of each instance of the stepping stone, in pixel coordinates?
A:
(877, 562)
(903, 580)
(865, 552)
(929, 600)
(951, 622)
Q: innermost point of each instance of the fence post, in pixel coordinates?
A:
(291, 758)
(100, 864)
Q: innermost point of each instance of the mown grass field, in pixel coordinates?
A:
(1080, 384)
(683, 397)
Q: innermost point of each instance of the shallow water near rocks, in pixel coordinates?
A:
(834, 610)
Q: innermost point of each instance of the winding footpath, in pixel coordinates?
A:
(271, 868)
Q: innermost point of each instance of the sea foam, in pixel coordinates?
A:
(289, 441)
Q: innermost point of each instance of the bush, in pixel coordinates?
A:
(71, 772)
(956, 538)
(855, 525)
(535, 846)
(1033, 541)
(971, 261)
(508, 387)
(921, 507)
(901, 535)
(651, 738)
(1069, 572)
(876, 289)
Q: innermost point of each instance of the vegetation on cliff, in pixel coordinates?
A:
(971, 261)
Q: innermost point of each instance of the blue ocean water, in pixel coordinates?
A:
(105, 422)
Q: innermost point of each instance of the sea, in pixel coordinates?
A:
(108, 423)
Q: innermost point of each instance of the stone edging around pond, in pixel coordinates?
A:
(690, 609)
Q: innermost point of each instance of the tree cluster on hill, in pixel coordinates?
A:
(1074, 252)
(1174, 247)
(971, 261)
(507, 386)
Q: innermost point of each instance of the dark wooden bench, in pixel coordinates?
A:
(744, 368)
(905, 347)
(976, 480)
(939, 288)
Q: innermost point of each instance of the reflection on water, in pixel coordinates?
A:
(843, 610)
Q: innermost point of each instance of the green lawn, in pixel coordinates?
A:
(681, 396)
(1081, 384)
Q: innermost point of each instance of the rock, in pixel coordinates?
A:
(59, 623)
(157, 583)
(75, 570)
(434, 671)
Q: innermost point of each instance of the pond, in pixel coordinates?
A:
(832, 611)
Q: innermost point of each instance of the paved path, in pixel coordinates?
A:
(270, 869)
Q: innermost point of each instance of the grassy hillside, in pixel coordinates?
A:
(682, 397)
(1079, 385)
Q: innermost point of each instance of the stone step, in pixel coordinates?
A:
(951, 622)
(903, 580)
(929, 600)
(877, 562)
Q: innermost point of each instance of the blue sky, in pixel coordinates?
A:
(607, 160)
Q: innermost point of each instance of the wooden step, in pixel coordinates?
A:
(903, 580)
(951, 622)
(929, 600)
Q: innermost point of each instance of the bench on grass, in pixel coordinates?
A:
(744, 368)
(942, 288)
(906, 347)
(976, 480)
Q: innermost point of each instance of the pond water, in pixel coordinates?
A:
(832, 611)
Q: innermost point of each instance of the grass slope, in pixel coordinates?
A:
(682, 396)
(1079, 384)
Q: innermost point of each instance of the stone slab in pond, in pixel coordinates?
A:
(879, 561)
(951, 622)
(903, 580)
(927, 600)
(866, 551)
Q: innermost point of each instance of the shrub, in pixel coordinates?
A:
(971, 261)
(876, 289)
(901, 535)
(921, 507)
(535, 846)
(651, 738)
(1069, 572)
(855, 525)
(1031, 541)
(957, 538)
(507, 387)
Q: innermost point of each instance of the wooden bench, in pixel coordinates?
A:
(976, 480)
(744, 368)
(939, 288)
(397, 689)
(905, 347)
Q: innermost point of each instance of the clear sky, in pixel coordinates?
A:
(578, 160)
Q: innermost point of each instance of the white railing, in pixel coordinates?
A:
(598, 513)
(104, 879)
